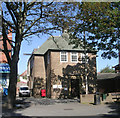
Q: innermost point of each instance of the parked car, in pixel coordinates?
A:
(24, 91)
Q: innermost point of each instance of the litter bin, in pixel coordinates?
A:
(43, 92)
(97, 98)
(104, 97)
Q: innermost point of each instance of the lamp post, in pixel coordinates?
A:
(85, 58)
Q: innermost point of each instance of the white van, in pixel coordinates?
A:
(24, 91)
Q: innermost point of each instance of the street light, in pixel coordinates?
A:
(86, 80)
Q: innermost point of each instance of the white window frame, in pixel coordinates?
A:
(82, 54)
(73, 53)
(66, 56)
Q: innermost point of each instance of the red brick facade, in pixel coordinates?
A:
(60, 78)
(3, 58)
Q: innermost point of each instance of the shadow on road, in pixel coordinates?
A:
(25, 102)
(115, 110)
(21, 104)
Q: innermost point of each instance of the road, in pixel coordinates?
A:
(47, 107)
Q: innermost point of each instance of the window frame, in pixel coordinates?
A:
(66, 56)
(84, 56)
(71, 54)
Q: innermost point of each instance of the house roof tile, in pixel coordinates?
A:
(56, 43)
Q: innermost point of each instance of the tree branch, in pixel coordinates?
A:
(8, 7)
(30, 26)
(39, 31)
(10, 43)
(31, 4)
(8, 23)
(48, 4)
(6, 51)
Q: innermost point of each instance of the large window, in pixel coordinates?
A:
(74, 57)
(83, 57)
(63, 56)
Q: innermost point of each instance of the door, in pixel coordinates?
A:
(75, 88)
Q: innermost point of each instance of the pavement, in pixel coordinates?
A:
(29, 107)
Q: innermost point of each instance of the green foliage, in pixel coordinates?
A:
(26, 19)
(100, 23)
(25, 77)
(107, 69)
(18, 79)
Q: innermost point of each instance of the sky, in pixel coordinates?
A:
(37, 42)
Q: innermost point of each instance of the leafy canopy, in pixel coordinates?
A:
(98, 23)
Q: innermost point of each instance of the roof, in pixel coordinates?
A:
(56, 43)
(117, 67)
(101, 76)
(24, 73)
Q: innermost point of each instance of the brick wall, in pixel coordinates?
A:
(39, 75)
(3, 58)
(39, 67)
(61, 70)
(61, 73)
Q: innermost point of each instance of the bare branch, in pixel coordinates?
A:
(48, 4)
(31, 26)
(9, 9)
(10, 43)
(31, 4)
(41, 12)
(6, 51)
(8, 23)
(39, 31)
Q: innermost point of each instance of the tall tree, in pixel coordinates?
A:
(100, 22)
(24, 19)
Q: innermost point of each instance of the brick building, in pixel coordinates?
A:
(4, 67)
(58, 67)
(108, 82)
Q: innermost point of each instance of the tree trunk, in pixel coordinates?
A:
(12, 84)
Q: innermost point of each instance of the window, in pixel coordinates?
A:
(74, 57)
(83, 57)
(63, 56)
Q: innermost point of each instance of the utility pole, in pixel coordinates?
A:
(119, 50)
(85, 58)
(119, 55)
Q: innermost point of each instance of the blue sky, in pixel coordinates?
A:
(36, 42)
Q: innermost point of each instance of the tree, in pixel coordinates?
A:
(94, 25)
(107, 69)
(25, 77)
(24, 19)
(100, 22)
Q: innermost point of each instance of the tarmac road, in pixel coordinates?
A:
(47, 107)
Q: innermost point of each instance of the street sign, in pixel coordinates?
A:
(4, 68)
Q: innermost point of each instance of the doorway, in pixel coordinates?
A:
(75, 88)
